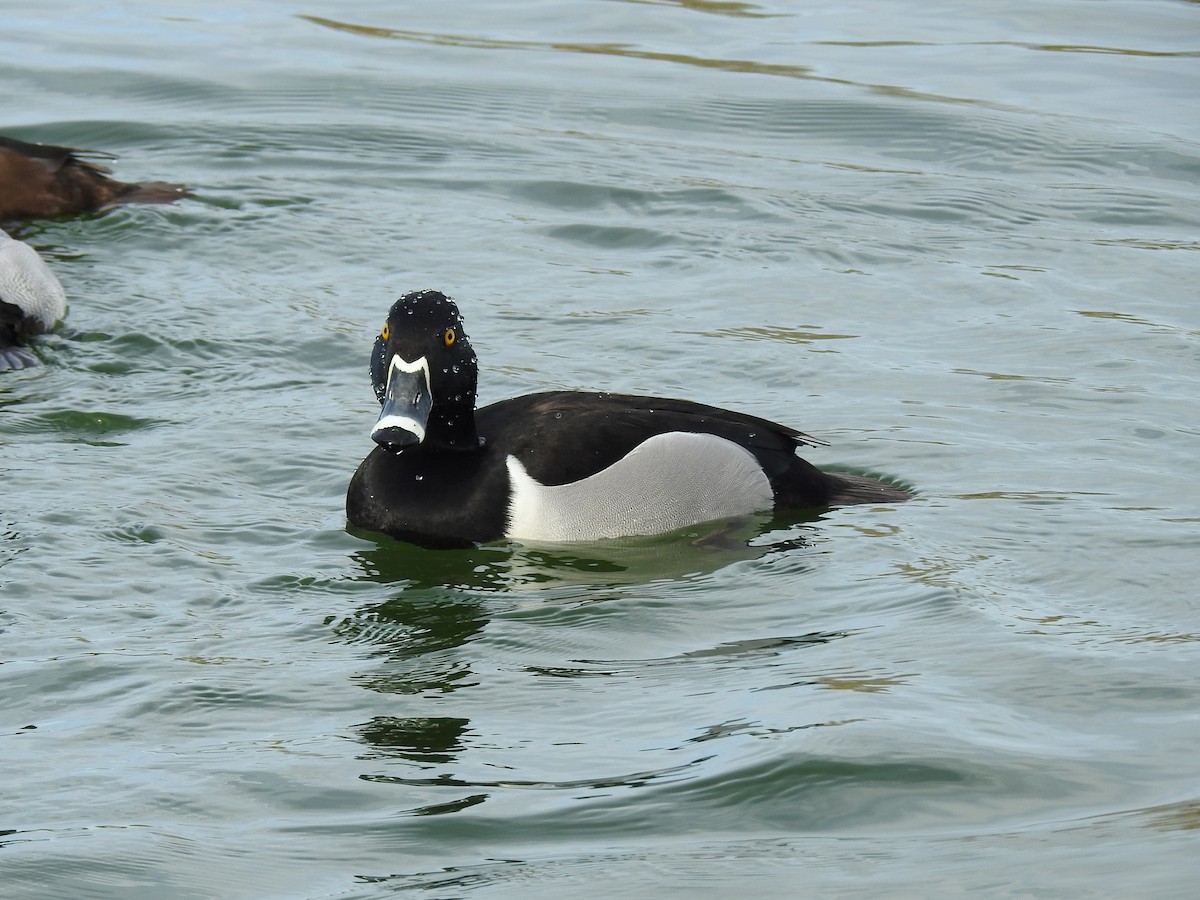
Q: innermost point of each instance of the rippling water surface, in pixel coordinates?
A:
(958, 242)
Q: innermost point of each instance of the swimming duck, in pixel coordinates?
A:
(43, 180)
(560, 465)
(31, 301)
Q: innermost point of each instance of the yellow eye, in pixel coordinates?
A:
(385, 332)
(449, 337)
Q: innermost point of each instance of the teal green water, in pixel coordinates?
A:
(958, 243)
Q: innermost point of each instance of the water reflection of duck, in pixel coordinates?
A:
(40, 180)
(31, 301)
(545, 572)
(562, 465)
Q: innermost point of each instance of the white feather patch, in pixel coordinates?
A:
(668, 481)
(27, 282)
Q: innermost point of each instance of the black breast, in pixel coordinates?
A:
(435, 499)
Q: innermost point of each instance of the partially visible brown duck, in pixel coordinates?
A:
(43, 180)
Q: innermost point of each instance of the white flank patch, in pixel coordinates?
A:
(27, 282)
(669, 481)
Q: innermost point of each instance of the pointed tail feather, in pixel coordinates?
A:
(863, 489)
(151, 192)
